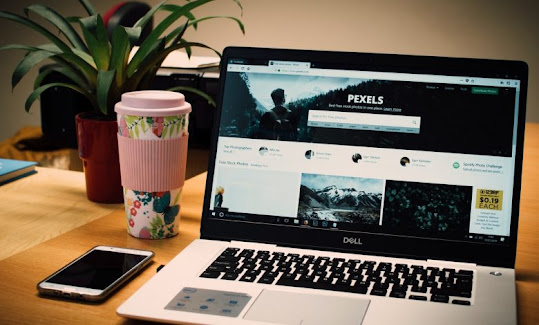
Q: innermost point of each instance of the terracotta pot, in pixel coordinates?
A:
(98, 149)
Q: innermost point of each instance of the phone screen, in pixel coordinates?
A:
(97, 270)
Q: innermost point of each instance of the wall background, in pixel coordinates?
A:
(502, 29)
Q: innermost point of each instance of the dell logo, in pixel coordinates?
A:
(352, 240)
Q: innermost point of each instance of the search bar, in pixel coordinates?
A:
(364, 121)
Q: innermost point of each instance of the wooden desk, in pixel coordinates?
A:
(21, 272)
(42, 206)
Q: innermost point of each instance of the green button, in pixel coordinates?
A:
(484, 91)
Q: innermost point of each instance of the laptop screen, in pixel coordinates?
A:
(366, 150)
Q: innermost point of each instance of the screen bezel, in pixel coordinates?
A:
(379, 244)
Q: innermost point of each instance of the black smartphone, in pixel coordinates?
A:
(96, 274)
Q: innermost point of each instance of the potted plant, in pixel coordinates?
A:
(101, 69)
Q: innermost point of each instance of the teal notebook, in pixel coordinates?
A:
(11, 170)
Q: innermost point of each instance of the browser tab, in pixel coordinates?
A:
(290, 64)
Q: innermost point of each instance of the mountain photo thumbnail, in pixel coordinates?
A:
(340, 199)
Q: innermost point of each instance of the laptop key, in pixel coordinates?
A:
(230, 276)
(228, 258)
(210, 274)
(463, 294)
(253, 272)
(439, 298)
(460, 302)
(416, 297)
(381, 286)
(422, 289)
(287, 279)
(270, 274)
(360, 289)
(212, 268)
(397, 294)
(247, 252)
(224, 263)
(343, 282)
(266, 280)
(230, 251)
(248, 278)
(378, 292)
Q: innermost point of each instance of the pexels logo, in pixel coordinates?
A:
(365, 99)
(352, 240)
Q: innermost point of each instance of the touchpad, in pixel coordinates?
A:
(306, 309)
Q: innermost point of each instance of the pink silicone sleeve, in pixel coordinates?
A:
(152, 165)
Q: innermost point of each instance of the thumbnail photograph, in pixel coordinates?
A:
(340, 199)
(423, 209)
(255, 191)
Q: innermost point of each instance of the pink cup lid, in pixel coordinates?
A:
(152, 103)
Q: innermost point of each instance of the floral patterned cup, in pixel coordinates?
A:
(152, 141)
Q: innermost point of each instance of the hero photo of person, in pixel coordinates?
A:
(279, 123)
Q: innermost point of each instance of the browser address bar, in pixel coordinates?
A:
(364, 121)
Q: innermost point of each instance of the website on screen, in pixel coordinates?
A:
(401, 154)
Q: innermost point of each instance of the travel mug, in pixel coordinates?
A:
(152, 143)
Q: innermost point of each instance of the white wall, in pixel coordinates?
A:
(468, 28)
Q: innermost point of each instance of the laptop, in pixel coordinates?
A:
(353, 188)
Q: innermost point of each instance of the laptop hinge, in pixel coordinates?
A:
(459, 265)
(259, 246)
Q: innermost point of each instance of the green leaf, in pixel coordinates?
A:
(119, 53)
(169, 119)
(176, 34)
(239, 5)
(95, 35)
(89, 7)
(73, 19)
(27, 63)
(36, 93)
(143, 125)
(70, 73)
(172, 7)
(188, 14)
(240, 24)
(187, 48)
(41, 76)
(45, 47)
(134, 35)
(76, 63)
(104, 82)
(59, 22)
(24, 21)
(86, 57)
(165, 131)
(135, 64)
(195, 91)
(146, 18)
(69, 61)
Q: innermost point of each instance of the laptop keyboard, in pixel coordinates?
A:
(444, 285)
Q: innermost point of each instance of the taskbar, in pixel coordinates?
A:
(317, 223)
